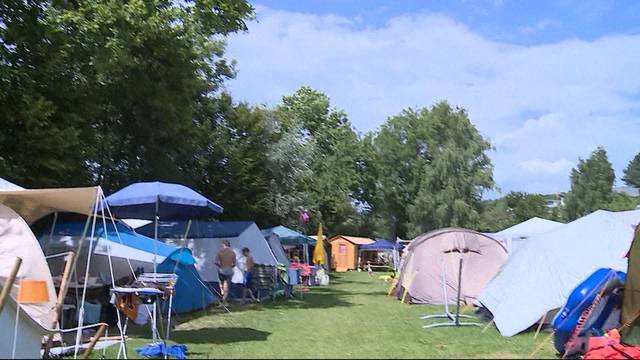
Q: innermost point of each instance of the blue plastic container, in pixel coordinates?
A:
(580, 299)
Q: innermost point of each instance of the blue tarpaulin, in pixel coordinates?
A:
(146, 200)
(158, 350)
(288, 236)
(191, 292)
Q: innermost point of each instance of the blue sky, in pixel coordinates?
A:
(546, 82)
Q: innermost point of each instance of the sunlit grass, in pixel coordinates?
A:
(352, 318)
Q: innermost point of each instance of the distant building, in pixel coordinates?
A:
(554, 200)
(627, 190)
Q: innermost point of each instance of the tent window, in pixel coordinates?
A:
(462, 251)
(342, 249)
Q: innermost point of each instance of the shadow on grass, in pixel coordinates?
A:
(219, 336)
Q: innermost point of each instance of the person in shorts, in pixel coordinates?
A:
(247, 268)
(225, 261)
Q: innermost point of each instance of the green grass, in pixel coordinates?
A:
(352, 318)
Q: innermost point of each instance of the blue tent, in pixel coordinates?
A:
(148, 200)
(288, 236)
(191, 292)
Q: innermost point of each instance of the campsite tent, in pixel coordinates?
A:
(204, 239)
(17, 209)
(382, 246)
(289, 238)
(344, 251)
(433, 257)
(631, 299)
(17, 240)
(8, 185)
(129, 251)
(540, 276)
(191, 292)
(513, 237)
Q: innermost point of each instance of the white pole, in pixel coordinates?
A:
(155, 254)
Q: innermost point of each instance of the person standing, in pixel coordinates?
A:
(246, 265)
(225, 261)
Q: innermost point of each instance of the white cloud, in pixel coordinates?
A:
(549, 101)
(542, 166)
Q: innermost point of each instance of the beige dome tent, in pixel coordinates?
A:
(429, 272)
(17, 209)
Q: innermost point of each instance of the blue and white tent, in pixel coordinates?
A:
(129, 251)
(191, 292)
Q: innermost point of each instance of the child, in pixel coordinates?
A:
(246, 265)
(369, 269)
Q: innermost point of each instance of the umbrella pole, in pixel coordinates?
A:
(155, 255)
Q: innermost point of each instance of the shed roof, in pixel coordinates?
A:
(353, 239)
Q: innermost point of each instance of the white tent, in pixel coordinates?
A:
(204, 239)
(17, 240)
(514, 237)
(8, 185)
(541, 275)
(118, 249)
(277, 249)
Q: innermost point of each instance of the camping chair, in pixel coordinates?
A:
(454, 319)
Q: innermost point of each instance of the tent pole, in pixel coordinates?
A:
(155, 269)
(459, 289)
(62, 293)
(6, 289)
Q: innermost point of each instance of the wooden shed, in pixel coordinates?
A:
(344, 251)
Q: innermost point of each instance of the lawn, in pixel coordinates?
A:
(352, 318)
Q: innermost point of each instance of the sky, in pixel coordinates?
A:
(545, 82)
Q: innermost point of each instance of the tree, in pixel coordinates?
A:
(333, 187)
(591, 185)
(631, 175)
(110, 92)
(622, 202)
(451, 184)
(525, 206)
(432, 169)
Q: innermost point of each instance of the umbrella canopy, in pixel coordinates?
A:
(288, 236)
(318, 252)
(379, 245)
(146, 200)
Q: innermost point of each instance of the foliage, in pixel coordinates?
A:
(622, 202)
(514, 208)
(432, 170)
(109, 91)
(591, 185)
(631, 175)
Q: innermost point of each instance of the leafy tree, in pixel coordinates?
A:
(631, 175)
(495, 216)
(451, 184)
(526, 206)
(431, 171)
(591, 185)
(333, 187)
(110, 91)
(622, 202)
